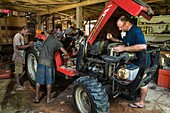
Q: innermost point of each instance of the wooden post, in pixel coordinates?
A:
(53, 22)
(79, 17)
(47, 24)
(6, 30)
(38, 18)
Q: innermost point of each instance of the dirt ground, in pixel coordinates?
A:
(21, 101)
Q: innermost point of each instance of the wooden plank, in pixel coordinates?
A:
(16, 21)
(10, 27)
(164, 52)
(27, 9)
(2, 22)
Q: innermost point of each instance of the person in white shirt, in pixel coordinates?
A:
(19, 54)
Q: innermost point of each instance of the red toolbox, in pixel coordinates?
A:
(6, 72)
(164, 78)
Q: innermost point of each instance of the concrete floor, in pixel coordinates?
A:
(157, 101)
(158, 98)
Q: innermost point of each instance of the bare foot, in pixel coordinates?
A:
(50, 100)
(20, 88)
(36, 100)
(136, 105)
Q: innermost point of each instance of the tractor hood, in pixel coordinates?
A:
(115, 8)
(135, 7)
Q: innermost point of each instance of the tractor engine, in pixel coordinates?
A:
(121, 68)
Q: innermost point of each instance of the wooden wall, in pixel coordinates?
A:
(9, 26)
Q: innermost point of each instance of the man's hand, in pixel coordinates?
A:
(119, 48)
(31, 43)
(66, 56)
(109, 36)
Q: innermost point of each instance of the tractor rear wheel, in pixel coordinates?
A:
(31, 63)
(89, 96)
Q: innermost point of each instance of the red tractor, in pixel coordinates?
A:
(97, 65)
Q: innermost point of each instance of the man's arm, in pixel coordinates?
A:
(65, 53)
(110, 37)
(63, 50)
(134, 48)
(20, 47)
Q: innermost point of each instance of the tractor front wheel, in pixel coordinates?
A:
(89, 96)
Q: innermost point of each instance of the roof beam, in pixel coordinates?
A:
(42, 2)
(26, 9)
(51, 3)
(66, 7)
(154, 1)
(63, 14)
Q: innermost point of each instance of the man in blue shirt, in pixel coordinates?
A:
(134, 42)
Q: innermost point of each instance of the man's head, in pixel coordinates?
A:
(24, 30)
(69, 32)
(124, 23)
(58, 29)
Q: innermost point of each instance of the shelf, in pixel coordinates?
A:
(155, 19)
(157, 37)
(153, 24)
(168, 35)
(157, 25)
